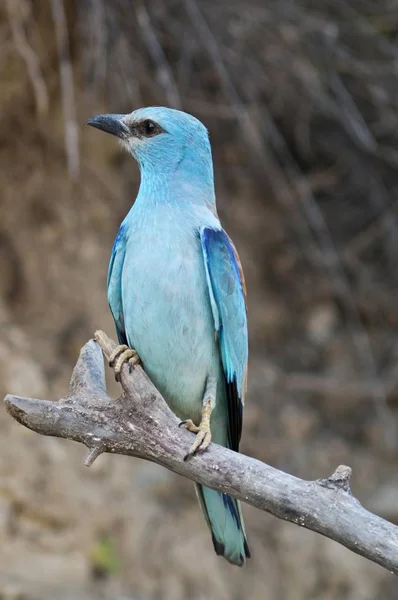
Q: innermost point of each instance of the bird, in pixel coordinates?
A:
(177, 294)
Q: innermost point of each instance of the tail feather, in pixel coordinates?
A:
(224, 518)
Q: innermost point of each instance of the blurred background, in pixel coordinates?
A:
(300, 98)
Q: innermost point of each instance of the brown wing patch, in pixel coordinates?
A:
(241, 274)
(244, 386)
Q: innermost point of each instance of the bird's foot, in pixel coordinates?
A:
(119, 356)
(190, 425)
(203, 433)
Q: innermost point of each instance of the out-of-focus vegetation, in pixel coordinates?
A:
(301, 102)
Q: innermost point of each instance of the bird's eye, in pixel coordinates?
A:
(150, 128)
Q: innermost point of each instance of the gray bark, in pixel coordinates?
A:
(139, 423)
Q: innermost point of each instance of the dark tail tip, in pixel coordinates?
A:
(218, 546)
(247, 549)
(220, 551)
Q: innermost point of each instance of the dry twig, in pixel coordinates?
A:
(68, 96)
(155, 50)
(29, 56)
(139, 423)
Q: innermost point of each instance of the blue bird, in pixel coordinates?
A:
(177, 294)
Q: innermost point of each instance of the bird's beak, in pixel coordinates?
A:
(113, 124)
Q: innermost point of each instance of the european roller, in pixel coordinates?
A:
(177, 294)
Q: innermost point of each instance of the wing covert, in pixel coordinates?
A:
(227, 296)
(115, 284)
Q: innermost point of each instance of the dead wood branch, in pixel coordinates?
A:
(139, 423)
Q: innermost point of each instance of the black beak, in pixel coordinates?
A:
(113, 124)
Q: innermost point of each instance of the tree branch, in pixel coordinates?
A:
(139, 423)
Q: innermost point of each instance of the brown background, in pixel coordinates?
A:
(301, 102)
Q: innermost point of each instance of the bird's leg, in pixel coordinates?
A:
(203, 432)
(119, 356)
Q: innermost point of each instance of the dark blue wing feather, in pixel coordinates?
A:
(115, 284)
(227, 296)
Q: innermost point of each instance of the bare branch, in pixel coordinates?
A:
(68, 96)
(139, 423)
(29, 56)
(155, 50)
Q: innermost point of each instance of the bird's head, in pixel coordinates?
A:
(160, 139)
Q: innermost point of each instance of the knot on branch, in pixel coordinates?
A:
(340, 480)
(94, 453)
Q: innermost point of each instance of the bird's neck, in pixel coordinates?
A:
(188, 181)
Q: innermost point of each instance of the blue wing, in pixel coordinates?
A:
(227, 296)
(115, 284)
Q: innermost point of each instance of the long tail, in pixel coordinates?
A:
(224, 518)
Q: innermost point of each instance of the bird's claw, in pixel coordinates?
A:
(203, 433)
(119, 356)
(201, 443)
(190, 425)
